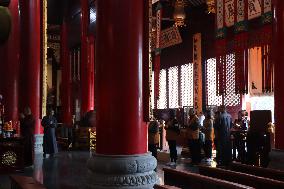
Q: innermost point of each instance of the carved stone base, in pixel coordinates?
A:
(123, 172)
(38, 144)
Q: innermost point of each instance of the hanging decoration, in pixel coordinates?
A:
(254, 9)
(197, 72)
(241, 47)
(229, 12)
(237, 14)
(170, 37)
(179, 13)
(220, 46)
(157, 59)
(149, 63)
(266, 45)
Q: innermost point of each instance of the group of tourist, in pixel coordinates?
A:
(202, 131)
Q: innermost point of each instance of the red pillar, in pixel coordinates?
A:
(91, 72)
(120, 128)
(10, 66)
(30, 58)
(122, 160)
(66, 77)
(86, 72)
(278, 56)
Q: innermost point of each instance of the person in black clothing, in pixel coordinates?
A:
(27, 124)
(194, 143)
(49, 123)
(153, 137)
(172, 133)
(222, 128)
(240, 127)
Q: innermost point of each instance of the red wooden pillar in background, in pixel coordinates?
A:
(121, 131)
(87, 84)
(66, 77)
(278, 59)
(91, 72)
(31, 60)
(10, 63)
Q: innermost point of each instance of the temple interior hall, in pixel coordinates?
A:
(141, 94)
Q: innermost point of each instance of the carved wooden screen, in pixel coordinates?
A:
(211, 79)
(162, 101)
(186, 79)
(152, 90)
(231, 98)
(173, 84)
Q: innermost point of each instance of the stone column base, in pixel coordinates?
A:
(38, 141)
(123, 172)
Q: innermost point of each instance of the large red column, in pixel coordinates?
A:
(31, 60)
(122, 160)
(120, 128)
(91, 72)
(10, 65)
(86, 72)
(66, 77)
(278, 56)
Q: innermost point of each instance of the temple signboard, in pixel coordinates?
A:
(169, 37)
(197, 72)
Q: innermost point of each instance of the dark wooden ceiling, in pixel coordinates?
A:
(56, 8)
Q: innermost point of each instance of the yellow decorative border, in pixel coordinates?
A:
(44, 61)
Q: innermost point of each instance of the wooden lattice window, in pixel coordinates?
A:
(162, 101)
(186, 79)
(173, 87)
(211, 79)
(153, 90)
(231, 98)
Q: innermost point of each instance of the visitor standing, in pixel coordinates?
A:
(49, 124)
(172, 134)
(209, 135)
(193, 138)
(27, 126)
(222, 128)
(153, 137)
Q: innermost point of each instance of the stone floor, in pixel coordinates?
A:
(69, 170)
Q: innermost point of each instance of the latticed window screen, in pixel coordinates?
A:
(173, 87)
(162, 101)
(186, 85)
(231, 99)
(212, 98)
